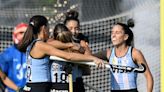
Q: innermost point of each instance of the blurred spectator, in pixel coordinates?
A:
(13, 62)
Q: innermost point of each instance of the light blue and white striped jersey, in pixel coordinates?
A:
(120, 79)
(37, 68)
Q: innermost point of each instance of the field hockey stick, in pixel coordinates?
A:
(125, 69)
(140, 69)
(70, 79)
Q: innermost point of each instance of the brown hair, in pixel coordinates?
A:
(127, 30)
(33, 29)
(62, 34)
(72, 15)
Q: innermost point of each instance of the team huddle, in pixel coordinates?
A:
(26, 65)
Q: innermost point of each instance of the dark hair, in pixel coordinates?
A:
(72, 15)
(62, 33)
(127, 30)
(35, 23)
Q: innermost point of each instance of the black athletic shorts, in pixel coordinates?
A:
(78, 86)
(130, 90)
(39, 87)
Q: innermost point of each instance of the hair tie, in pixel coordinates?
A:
(32, 23)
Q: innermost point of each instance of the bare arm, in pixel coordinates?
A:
(7, 81)
(46, 49)
(59, 44)
(101, 54)
(139, 58)
(86, 47)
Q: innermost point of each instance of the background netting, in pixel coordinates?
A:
(6, 37)
(96, 22)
